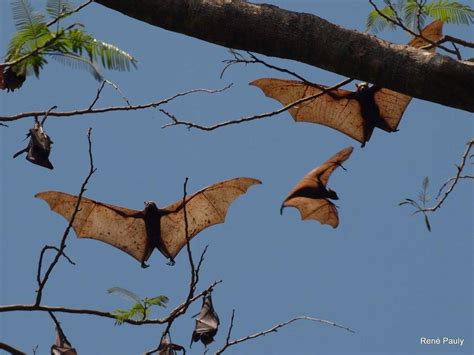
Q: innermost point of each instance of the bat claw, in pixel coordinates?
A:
(281, 210)
(144, 265)
(171, 262)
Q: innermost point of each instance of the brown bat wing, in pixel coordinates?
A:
(203, 209)
(309, 195)
(338, 110)
(319, 209)
(392, 104)
(120, 227)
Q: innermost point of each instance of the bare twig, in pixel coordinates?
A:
(110, 108)
(10, 349)
(239, 59)
(77, 9)
(101, 87)
(452, 181)
(42, 281)
(275, 329)
(175, 121)
(40, 263)
(399, 22)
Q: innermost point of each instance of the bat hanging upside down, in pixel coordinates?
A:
(138, 233)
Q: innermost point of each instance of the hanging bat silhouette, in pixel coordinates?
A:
(39, 146)
(311, 195)
(355, 114)
(137, 233)
(166, 347)
(207, 322)
(10, 80)
(62, 346)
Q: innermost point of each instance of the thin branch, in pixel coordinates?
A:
(101, 87)
(175, 121)
(110, 108)
(10, 349)
(99, 313)
(42, 282)
(77, 9)
(239, 59)
(40, 263)
(454, 180)
(398, 22)
(275, 329)
(460, 41)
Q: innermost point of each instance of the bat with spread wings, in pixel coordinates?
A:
(311, 195)
(137, 233)
(355, 114)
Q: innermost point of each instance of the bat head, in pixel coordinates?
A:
(332, 195)
(362, 86)
(150, 207)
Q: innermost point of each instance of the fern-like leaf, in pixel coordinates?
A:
(124, 293)
(451, 12)
(112, 57)
(24, 15)
(157, 301)
(57, 8)
(77, 62)
(376, 23)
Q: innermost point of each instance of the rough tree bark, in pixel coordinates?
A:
(306, 38)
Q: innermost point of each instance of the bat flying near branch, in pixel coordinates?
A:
(137, 233)
(355, 114)
(311, 196)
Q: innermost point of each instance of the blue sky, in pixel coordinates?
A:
(380, 272)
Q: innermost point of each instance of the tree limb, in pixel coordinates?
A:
(309, 39)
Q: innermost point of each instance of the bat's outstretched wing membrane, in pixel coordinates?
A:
(120, 227)
(340, 110)
(203, 209)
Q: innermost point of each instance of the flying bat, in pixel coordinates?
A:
(311, 195)
(137, 233)
(207, 322)
(39, 146)
(354, 113)
(61, 345)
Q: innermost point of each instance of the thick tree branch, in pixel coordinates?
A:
(10, 349)
(309, 39)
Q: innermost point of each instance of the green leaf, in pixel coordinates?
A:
(77, 62)
(451, 12)
(24, 15)
(124, 293)
(376, 23)
(56, 8)
(112, 58)
(157, 301)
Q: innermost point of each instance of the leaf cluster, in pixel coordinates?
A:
(34, 41)
(141, 308)
(413, 14)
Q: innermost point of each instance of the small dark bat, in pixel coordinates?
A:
(61, 345)
(138, 233)
(39, 146)
(10, 80)
(166, 347)
(355, 114)
(207, 322)
(311, 195)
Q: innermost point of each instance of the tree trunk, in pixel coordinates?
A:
(306, 38)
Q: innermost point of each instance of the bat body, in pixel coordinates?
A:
(10, 80)
(39, 147)
(166, 347)
(354, 113)
(207, 322)
(311, 195)
(61, 345)
(137, 233)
